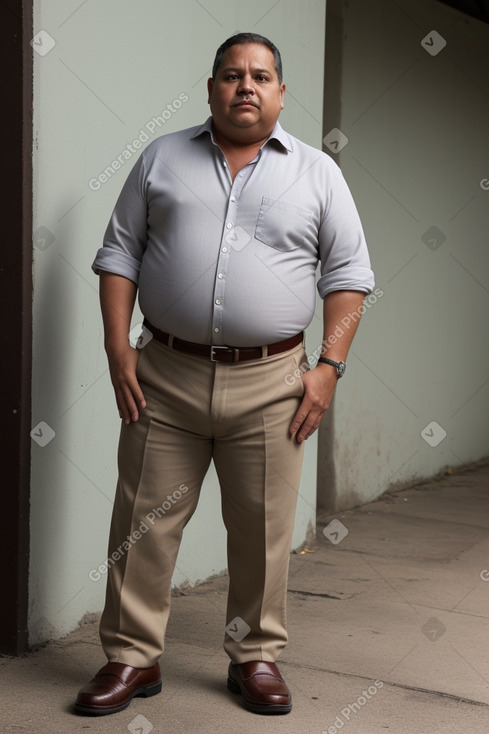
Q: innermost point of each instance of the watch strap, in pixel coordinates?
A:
(340, 366)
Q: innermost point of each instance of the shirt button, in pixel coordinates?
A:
(217, 301)
(224, 249)
(229, 225)
(220, 276)
(233, 198)
(217, 330)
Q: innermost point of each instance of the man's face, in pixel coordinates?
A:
(246, 96)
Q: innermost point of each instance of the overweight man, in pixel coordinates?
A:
(219, 229)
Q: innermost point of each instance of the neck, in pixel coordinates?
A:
(237, 145)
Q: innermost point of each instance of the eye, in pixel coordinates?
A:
(262, 78)
(231, 77)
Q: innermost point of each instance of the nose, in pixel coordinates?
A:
(246, 85)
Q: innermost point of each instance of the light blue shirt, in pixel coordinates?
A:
(234, 262)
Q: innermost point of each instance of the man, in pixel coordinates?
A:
(220, 227)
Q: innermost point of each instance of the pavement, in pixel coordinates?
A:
(388, 618)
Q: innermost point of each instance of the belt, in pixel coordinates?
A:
(223, 353)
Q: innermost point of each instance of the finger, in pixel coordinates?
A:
(129, 396)
(309, 425)
(137, 393)
(306, 431)
(126, 403)
(131, 404)
(123, 411)
(305, 407)
(299, 417)
(133, 384)
(124, 406)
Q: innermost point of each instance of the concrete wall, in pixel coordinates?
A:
(103, 71)
(416, 115)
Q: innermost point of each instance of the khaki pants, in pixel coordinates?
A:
(237, 414)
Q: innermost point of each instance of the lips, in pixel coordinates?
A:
(246, 103)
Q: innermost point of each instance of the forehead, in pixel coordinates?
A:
(253, 54)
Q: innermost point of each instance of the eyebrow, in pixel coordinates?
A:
(237, 68)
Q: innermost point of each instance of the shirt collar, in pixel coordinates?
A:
(278, 133)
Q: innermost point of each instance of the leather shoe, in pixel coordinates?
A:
(114, 686)
(263, 689)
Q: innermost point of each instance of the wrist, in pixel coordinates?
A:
(339, 366)
(115, 345)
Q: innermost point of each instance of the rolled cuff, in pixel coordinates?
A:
(351, 278)
(115, 261)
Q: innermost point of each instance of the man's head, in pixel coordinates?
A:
(240, 39)
(246, 90)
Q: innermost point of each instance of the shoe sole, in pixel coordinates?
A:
(255, 708)
(147, 691)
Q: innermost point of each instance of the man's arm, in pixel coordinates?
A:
(319, 383)
(117, 297)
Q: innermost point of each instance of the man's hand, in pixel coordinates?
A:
(339, 307)
(319, 386)
(128, 394)
(117, 296)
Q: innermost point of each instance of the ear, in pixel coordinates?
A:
(282, 93)
(210, 87)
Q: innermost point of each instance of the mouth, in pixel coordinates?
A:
(245, 103)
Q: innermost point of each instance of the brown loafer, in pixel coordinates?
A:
(263, 689)
(114, 686)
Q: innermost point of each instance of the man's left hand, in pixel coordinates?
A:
(319, 385)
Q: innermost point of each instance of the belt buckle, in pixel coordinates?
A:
(213, 349)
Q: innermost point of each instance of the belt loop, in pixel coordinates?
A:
(170, 340)
(264, 351)
(236, 355)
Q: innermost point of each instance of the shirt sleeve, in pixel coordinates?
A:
(345, 262)
(125, 238)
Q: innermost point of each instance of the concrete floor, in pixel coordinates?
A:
(388, 627)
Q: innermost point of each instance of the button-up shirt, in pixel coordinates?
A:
(229, 262)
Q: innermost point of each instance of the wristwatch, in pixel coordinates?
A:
(340, 366)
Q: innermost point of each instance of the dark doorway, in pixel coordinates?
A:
(16, 324)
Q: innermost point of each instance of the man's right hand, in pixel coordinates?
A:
(128, 393)
(117, 296)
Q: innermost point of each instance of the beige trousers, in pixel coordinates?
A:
(238, 415)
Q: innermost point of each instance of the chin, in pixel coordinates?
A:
(243, 110)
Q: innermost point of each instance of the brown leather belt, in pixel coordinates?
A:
(223, 353)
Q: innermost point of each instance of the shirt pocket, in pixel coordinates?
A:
(281, 225)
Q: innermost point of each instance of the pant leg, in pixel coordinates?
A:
(259, 467)
(163, 458)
